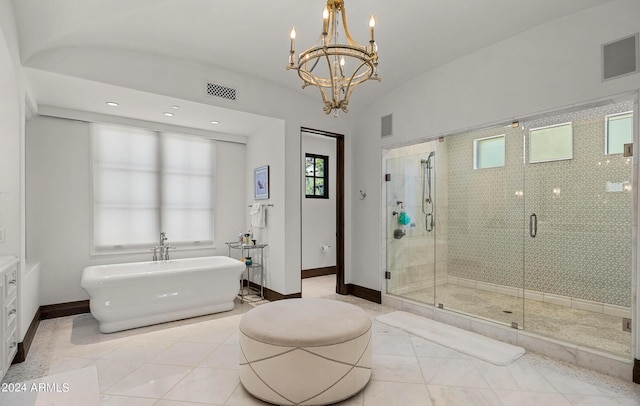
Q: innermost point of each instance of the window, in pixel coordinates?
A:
(146, 182)
(551, 143)
(488, 152)
(317, 176)
(618, 131)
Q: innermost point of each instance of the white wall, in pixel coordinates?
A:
(319, 215)
(267, 148)
(59, 205)
(11, 119)
(14, 96)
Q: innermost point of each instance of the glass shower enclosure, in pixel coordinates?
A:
(528, 225)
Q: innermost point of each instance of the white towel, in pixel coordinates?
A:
(257, 215)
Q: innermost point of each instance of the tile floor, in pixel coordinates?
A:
(585, 328)
(320, 286)
(194, 362)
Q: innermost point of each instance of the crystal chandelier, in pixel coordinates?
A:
(327, 63)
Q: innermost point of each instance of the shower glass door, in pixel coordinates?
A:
(483, 202)
(411, 221)
(578, 222)
(528, 225)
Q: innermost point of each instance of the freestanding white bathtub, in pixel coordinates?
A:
(124, 296)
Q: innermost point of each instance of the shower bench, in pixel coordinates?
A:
(305, 351)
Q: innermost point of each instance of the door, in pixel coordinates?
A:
(578, 226)
(410, 214)
(483, 207)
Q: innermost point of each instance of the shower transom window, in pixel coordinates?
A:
(551, 143)
(618, 131)
(488, 152)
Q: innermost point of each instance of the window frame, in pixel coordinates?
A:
(325, 177)
(475, 151)
(530, 161)
(606, 131)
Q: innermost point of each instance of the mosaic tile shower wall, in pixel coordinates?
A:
(583, 205)
(486, 211)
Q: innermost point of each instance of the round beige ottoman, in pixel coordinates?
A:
(305, 351)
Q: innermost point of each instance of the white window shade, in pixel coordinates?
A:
(145, 182)
(125, 186)
(187, 188)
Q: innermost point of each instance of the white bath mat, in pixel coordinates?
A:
(466, 342)
(77, 387)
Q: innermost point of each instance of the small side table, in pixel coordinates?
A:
(257, 264)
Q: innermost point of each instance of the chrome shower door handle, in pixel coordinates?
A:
(533, 225)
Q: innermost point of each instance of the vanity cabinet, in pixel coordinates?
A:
(9, 315)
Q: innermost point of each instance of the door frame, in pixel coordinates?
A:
(341, 286)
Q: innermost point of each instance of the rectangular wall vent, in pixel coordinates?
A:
(620, 57)
(386, 124)
(224, 92)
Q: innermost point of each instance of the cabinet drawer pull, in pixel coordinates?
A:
(12, 345)
(12, 282)
(13, 311)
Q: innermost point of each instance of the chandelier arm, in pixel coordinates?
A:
(332, 23)
(350, 40)
(349, 86)
(315, 63)
(363, 77)
(310, 80)
(333, 84)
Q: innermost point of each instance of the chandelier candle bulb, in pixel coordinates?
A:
(325, 21)
(293, 38)
(372, 24)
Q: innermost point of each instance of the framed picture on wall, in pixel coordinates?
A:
(261, 183)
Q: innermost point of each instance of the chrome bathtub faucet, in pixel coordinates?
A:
(163, 248)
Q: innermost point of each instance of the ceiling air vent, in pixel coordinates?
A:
(386, 126)
(224, 92)
(620, 57)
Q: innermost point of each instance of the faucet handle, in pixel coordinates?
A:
(166, 251)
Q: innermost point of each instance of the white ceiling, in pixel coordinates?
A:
(252, 37)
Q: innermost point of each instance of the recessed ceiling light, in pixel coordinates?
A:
(214, 122)
(168, 114)
(175, 107)
(112, 104)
